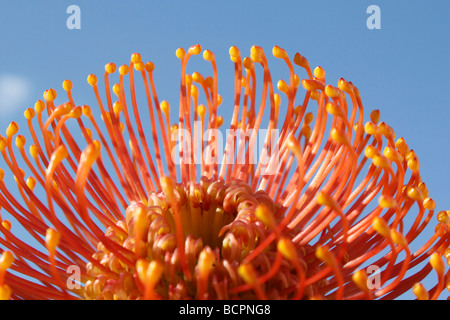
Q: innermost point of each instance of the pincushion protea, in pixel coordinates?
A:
(128, 207)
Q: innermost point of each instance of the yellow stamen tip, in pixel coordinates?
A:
(287, 248)
(256, 54)
(443, 217)
(375, 116)
(429, 204)
(50, 95)
(301, 61)
(437, 263)
(165, 107)
(333, 109)
(332, 92)
(293, 144)
(39, 106)
(201, 110)
(345, 86)
(380, 226)
(110, 68)
(235, 54)
(323, 253)
(248, 274)
(283, 86)
(319, 73)
(6, 260)
(12, 129)
(263, 214)
(149, 66)
(124, 69)
(339, 137)
(248, 63)
(420, 292)
(67, 85)
(279, 53)
(180, 53)
(219, 121)
(20, 141)
(325, 200)
(149, 273)
(136, 57)
(52, 238)
(370, 152)
(139, 66)
(208, 55)
(402, 147)
(414, 193)
(34, 151)
(5, 292)
(398, 238)
(371, 128)
(359, 277)
(6, 224)
(195, 49)
(31, 183)
(312, 85)
(86, 111)
(309, 117)
(205, 262)
(392, 154)
(197, 77)
(92, 79)
(387, 202)
(380, 161)
(29, 114)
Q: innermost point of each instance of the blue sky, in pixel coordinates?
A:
(401, 69)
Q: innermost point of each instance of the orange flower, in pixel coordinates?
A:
(138, 208)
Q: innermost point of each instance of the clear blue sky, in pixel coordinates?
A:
(402, 69)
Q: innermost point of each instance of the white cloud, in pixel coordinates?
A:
(14, 93)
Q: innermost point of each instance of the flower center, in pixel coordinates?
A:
(192, 230)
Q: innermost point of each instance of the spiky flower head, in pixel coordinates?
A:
(303, 197)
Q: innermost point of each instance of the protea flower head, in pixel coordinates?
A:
(301, 197)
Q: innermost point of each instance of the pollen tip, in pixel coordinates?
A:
(29, 113)
(195, 49)
(180, 53)
(381, 227)
(287, 248)
(208, 55)
(359, 277)
(5, 292)
(149, 66)
(92, 79)
(110, 68)
(12, 129)
(248, 273)
(279, 53)
(49, 95)
(235, 54)
(6, 260)
(124, 69)
(301, 61)
(39, 106)
(136, 57)
(420, 292)
(256, 54)
(52, 239)
(67, 85)
(319, 73)
(437, 263)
